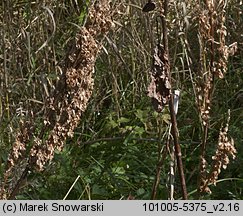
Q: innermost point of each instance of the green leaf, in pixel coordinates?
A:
(123, 120)
(140, 191)
(98, 190)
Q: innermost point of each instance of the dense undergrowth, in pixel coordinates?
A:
(115, 149)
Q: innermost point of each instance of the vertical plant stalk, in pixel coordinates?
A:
(162, 155)
(213, 64)
(64, 107)
(174, 128)
(159, 91)
(158, 172)
(208, 88)
(172, 155)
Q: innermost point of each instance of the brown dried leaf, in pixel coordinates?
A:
(159, 87)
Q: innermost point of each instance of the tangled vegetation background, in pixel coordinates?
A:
(76, 121)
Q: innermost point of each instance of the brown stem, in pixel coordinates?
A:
(158, 172)
(171, 106)
(177, 148)
(18, 185)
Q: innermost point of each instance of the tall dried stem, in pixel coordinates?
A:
(160, 89)
(213, 64)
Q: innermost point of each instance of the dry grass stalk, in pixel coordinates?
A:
(66, 105)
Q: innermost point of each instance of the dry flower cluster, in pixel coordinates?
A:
(214, 54)
(212, 34)
(66, 105)
(221, 159)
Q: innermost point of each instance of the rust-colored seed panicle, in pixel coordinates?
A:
(69, 100)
